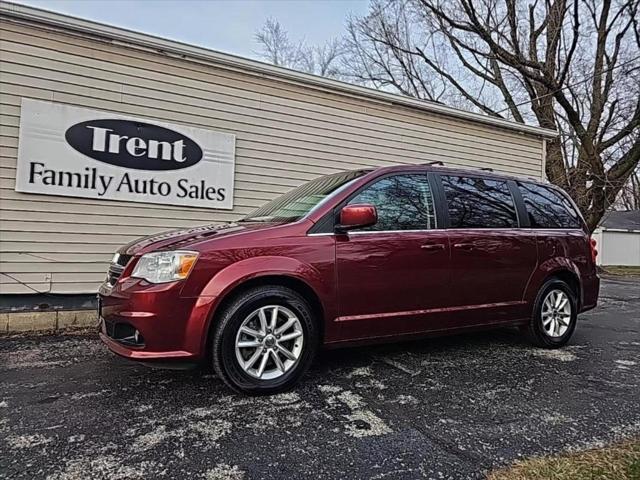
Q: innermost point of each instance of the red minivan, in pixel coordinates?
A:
(352, 258)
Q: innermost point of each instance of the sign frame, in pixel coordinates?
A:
(71, 151)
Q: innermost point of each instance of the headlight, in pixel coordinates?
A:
(161, 267)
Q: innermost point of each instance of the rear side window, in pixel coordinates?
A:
(547, 208)
(479, 203)
(403, 202)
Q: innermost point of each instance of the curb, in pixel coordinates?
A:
(47, 321)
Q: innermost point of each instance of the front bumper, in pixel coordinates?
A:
(166, 325)
(133, 354)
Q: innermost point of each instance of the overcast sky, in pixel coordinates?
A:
(224, 25)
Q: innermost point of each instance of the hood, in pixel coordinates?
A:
(183, 238)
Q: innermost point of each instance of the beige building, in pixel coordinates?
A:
(288, 127)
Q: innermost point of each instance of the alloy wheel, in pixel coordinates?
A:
(269, 342)
(556, 313)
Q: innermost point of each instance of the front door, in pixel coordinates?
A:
(491, 258)
(393, 276)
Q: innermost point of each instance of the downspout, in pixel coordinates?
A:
(543, 173)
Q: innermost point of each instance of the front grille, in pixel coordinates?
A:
(122, 259)
(114, 273)
(116, 268)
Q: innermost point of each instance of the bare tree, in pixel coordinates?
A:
(323, 59)
(570, 65)
(277, 48)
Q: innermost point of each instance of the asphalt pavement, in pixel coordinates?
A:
(441, 408)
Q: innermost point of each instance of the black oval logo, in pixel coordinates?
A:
(131, 144)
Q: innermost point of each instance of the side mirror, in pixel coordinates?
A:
(357, 216)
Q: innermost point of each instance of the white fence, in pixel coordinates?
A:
(618, 247)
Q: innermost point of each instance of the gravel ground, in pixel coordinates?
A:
(441, 408)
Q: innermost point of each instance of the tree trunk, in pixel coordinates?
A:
(554, 167)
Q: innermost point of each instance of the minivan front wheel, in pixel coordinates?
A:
(554, 315)
(265, 340)
(269, 342)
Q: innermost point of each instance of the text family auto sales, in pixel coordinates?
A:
(138, 161)
(92, 179)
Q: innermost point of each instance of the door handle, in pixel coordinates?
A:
(463, 246)
(432, 246)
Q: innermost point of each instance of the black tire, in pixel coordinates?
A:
(225, 362)
(536, 331)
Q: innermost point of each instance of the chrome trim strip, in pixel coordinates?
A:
(373, 232)
(409, 313)
(452, 230)
(365, 232)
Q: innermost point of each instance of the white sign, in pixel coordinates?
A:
(78, 152)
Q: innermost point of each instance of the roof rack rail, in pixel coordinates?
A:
(487, 169)
(436, 162)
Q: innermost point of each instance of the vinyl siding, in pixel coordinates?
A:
(286, 132)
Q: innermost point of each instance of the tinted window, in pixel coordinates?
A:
(404, 202)
(479, 203)
(547, 208)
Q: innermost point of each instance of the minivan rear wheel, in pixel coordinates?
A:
(554, 315)
(264, 341)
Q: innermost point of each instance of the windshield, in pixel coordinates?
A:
(297, 203)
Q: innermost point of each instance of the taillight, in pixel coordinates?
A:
(594, 251)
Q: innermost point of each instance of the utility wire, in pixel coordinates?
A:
(20, 282)
(93, 262)
(584, 80)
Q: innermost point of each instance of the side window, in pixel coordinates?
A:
(479, 203)
(547, 208)
(403, 202)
